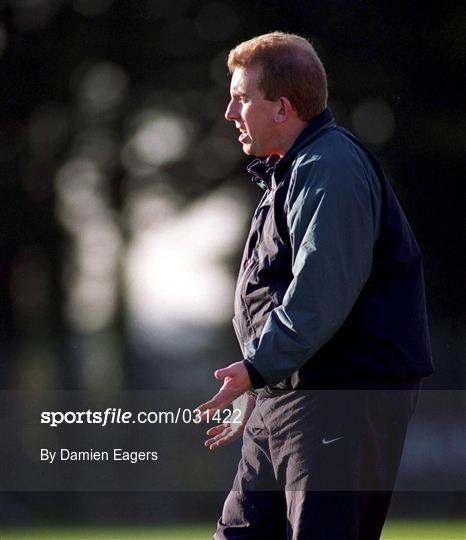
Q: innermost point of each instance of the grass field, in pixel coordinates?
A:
(395, 530)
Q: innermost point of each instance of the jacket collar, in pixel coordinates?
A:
(262, 170)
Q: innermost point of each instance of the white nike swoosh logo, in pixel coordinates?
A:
(324, 440)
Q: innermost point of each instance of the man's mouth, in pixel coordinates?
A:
(243, 135)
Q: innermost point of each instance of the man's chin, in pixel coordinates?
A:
(249, 150)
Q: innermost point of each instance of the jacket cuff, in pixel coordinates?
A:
(257, 380)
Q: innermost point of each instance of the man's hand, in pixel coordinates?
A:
(228, 432)
(236, 381)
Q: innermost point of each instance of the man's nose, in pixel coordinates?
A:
(231, 112)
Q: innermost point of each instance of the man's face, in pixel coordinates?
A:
(252, 114)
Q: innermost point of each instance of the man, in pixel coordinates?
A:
(329, 312)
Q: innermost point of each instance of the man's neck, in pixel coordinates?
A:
(290, 136)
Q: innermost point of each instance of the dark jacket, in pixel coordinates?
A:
(330, 288)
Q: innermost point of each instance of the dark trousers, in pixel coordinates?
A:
(318, 465)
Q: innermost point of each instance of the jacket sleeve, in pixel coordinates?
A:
(333, 219)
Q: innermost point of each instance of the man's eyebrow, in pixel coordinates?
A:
(238, 93)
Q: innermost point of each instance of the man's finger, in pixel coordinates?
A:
(208, 404)
(207, 413)
(218, 437)
(220, 401)
(223, 373)
(227, 439)
(213, 403)
(218, 442)
(216, 429)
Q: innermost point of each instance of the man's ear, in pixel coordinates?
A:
(284, 110)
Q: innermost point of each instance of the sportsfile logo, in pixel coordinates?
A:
(103, 418)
